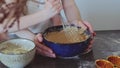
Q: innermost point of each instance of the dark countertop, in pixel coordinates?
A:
(106, 43)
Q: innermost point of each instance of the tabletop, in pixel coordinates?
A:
(106, 43)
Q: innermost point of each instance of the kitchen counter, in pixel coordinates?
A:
(106, 43)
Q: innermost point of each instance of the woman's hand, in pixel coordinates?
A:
(42, 49)
(85, 25)
(52, 7)
(89, 26)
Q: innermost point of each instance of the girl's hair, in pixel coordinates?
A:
(9, 13)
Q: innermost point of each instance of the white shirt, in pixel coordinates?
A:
(32, 8)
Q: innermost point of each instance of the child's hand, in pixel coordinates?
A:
(53, 7)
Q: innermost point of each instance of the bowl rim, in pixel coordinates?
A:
(44, 38)
(18, 39)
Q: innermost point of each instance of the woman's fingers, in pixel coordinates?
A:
(89, 26)
(41, 48)
(45, 53)
(38, 40)
(39, 37)
(40, 45)
(56, 5)
(53, 7)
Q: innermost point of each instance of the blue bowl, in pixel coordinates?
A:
(66, 50)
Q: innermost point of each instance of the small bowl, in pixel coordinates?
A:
(115, 60)
(18, 60)
(66, 49)
(102, 63)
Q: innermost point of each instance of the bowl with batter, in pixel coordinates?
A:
(67, 46)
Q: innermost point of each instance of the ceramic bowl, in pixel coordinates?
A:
(18, 60)
(66, 49)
